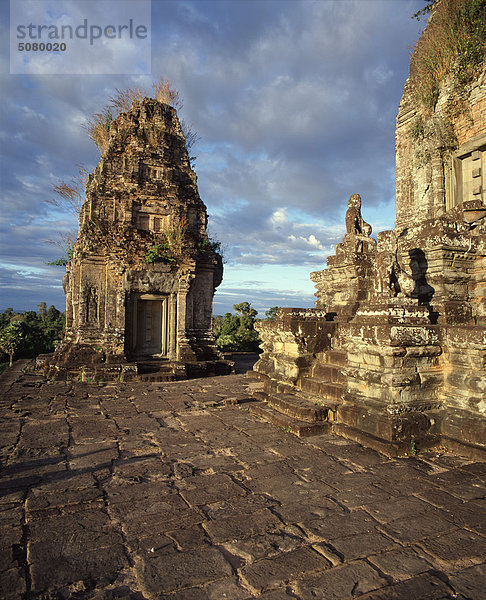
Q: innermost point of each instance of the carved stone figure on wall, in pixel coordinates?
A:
(356, 226)
(91, 306)
(386, 281)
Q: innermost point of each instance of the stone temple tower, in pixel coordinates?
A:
(394, 354)
(140, 285)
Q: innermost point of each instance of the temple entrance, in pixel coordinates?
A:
(150, 331)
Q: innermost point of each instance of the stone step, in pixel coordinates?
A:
(155, 371)
(321, 388)
(336, 357)
(239, 399)
(152, 366)
(329, 372)
(298, 408)
(158, 377)
(295, 426)
(330, 405)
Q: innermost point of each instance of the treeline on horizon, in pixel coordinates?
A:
(29, 333)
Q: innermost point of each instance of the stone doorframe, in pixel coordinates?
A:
(167, 324)
(465, 174)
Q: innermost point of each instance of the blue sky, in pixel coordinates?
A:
(295, 103)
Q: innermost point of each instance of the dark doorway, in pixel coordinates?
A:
(150, 326)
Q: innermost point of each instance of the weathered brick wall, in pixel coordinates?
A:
(426, 144)
(472, 124)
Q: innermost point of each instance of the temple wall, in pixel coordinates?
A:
(440, 158)
(470, 125)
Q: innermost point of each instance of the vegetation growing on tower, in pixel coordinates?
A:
(453, 47)
(98, 126)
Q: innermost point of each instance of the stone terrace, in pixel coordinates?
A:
(143, 491)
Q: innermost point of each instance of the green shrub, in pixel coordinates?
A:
(237, 332)
(160, 253)
(27, 334)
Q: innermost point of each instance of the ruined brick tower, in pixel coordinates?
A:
(395, 355)
(140, 285)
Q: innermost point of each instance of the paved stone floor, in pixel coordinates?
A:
(143, 491)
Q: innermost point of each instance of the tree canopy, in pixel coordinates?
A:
(28, 334)
(236, 332)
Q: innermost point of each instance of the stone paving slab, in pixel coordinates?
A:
(145, 491)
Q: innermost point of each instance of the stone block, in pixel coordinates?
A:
(400, 563)
(205, 489)
(13, 584)
(340, 525)
(470, 582)
(268, 574)
(383, 425)
(340, 582)
(425, 586)
(408, 530)
(165, 574)
(241, 526)
(362, 545)
(102, 566)
(456, 549)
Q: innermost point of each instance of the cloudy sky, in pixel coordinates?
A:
(295, 104)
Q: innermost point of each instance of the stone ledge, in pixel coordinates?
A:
(298, 428)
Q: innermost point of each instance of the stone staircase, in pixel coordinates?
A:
(309, 408)
(325, 379)
(292, 412)
(155, 370)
